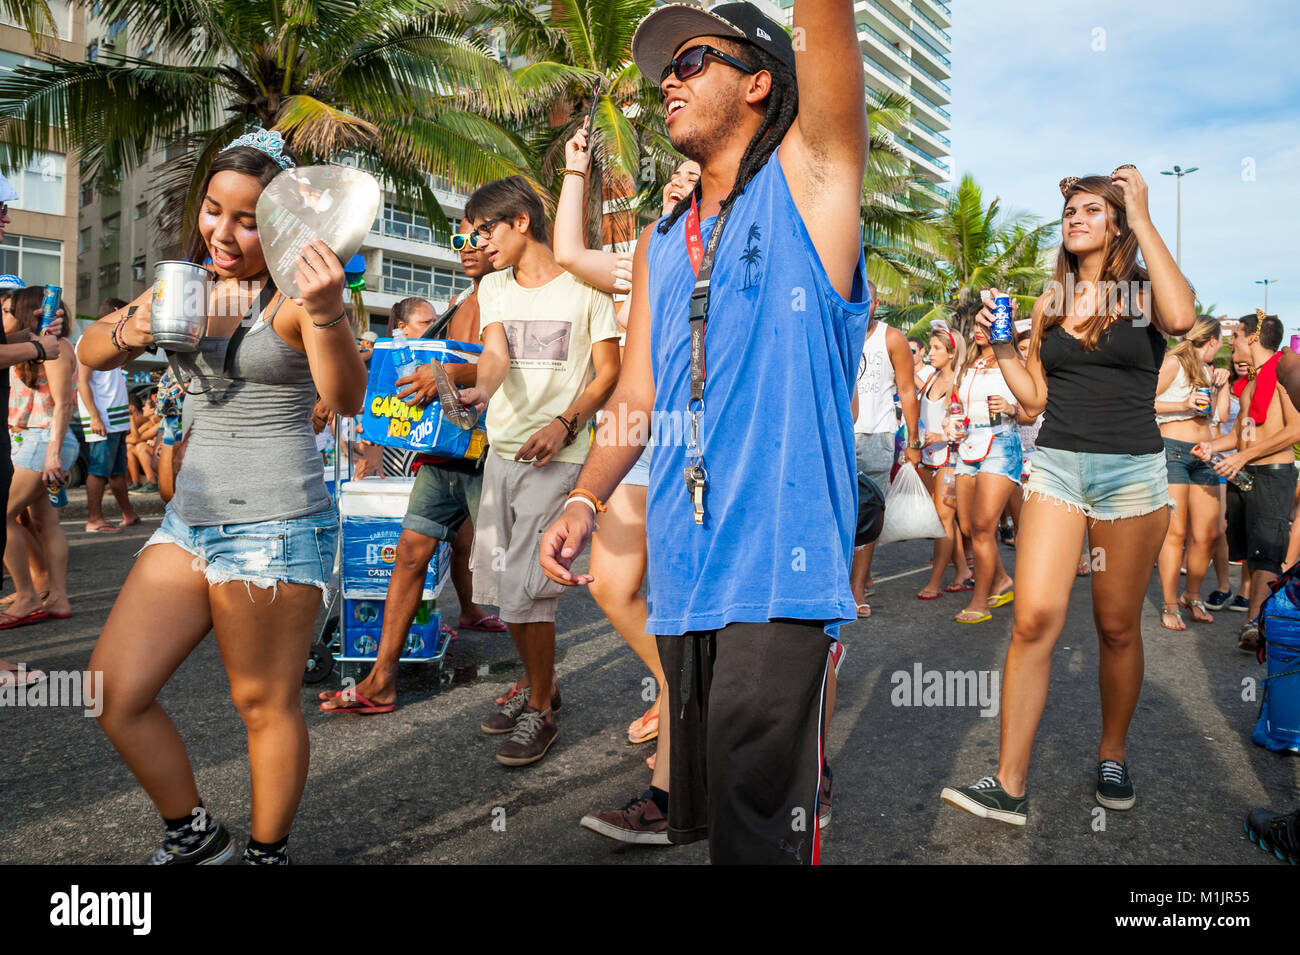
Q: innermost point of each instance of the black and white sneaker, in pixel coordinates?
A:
(1218, 599)
(1275, 833)
(1115, 785)
(185, 847)
(1239, 604)
(988, 800)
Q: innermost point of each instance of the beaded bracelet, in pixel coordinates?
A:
(116, 337)
(330, 324)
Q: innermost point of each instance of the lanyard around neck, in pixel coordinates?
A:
(701, 259)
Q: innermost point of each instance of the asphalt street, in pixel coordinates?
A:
(421, 785)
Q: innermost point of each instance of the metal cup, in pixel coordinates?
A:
(179, 314)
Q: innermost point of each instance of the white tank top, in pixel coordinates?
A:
(1180, 389)
(933, 411)
(977, 387)
(875, 386)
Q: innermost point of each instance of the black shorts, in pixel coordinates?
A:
(1259, 520)
(745, 707)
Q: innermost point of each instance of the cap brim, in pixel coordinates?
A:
(664, 30)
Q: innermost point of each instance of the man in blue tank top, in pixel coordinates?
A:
(753, 495)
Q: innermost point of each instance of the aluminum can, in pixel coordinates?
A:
(1203, 398)
(58, 496)
(50, 305)
(178, 315)
(1002, 330)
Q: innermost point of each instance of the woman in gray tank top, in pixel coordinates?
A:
(247, 545)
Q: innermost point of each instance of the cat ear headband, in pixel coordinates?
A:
(1069, 182)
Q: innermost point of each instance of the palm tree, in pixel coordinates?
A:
(564, 54)
(979, 247)
(401, 88)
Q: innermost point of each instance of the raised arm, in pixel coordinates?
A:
(607, 271)
(1173, 305)
(336, 366)
(824, 155)
(1027, 380)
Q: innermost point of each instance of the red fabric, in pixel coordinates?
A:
(1239, 386)
(1265, 385)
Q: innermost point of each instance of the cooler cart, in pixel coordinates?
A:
(370, 514)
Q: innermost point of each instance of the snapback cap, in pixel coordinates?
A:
(667, 28)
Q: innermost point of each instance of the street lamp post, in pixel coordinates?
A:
(1266, 283)
(1179, 172)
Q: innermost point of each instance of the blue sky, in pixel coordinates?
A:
(1189, 82)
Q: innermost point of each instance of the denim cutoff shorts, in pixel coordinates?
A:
(299, 550)
(1184, 468)
(1004, 458)
(1105, 487)
(27, 448)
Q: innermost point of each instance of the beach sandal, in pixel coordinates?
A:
(447, 632)
(1085, 567)
(864, 611)
(956, 588)
(8, 621)
(30, 677)
(489, 624)
(644, 728)
(1200, 612)
(1171, 610)
(358, 705)
(7, 601)
(1001, 600)
(973, 616)
(927, 595)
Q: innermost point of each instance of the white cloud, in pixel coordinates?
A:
(1198, 84)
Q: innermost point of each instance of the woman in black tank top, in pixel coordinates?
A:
(238, 565)
(1098, 339)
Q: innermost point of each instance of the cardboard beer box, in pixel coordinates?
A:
(371, 511)
(389, 420)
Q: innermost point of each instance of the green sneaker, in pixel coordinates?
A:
(988, 800)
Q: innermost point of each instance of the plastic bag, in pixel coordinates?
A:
(909, 512)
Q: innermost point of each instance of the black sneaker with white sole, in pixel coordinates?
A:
(185, 847)
(988, 800)
(1115, 785)
(1218, 599)
(1239, 604)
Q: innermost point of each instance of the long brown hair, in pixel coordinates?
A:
(1206, 329)
(26, 308)
(241, 159)
(1119, 268)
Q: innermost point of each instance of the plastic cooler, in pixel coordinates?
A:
(1278, 727)
(372, 512)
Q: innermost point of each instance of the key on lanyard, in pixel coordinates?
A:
(696, 480)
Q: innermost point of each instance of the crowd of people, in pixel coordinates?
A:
(1086, 432)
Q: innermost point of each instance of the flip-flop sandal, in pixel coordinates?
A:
(6, 601)
(59, 616)
(1001, 600)
(977, 618)
(447, 632)
(505, 697)
(105, 529)
(1171, 610)
(32, 677)
(489, 624)
(358, 705)
(643, 730)
(137, 520)
(967, 584)
(8, 621)
(861, 607)
(1195, 605)
(924, 596)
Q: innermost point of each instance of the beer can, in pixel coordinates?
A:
(178, 315)
(1203, 398)
(1002, 330)
(50, 305)
(58, 496)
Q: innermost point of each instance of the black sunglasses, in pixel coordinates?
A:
(4, 208)
(690, 62)
(484, 231)
(461, 239)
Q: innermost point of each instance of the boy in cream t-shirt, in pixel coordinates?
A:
(549, 362)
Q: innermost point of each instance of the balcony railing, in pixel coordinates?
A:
(937, 135)
(895, 51)
(913, 148)
(939, 54)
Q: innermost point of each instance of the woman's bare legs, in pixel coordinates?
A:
(137, 652)
(44, 522)
(1203, 526)
(264, 635)
(1128, 546)
(943, 546)
(980, 500)
(24, 490)
(1170, 561)
(1047, 556)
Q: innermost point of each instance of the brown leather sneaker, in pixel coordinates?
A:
(639, 822)
(531, 739)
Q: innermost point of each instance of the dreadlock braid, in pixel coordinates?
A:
(782, 107)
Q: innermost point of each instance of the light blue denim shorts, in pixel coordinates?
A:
(1004, 458)
(27, 448)
(640, 473)
(1105, 487)
(264, 554)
